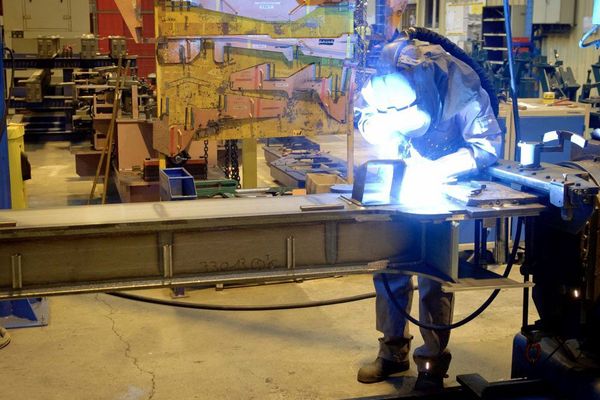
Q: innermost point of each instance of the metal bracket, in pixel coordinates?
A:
(331, 238)
(376, 192)
(17, 272)
(290, 252)
(167, 261)
(165, 242)
(442, 247)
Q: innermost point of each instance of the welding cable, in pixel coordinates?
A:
(271, 307)
(476, 313)
(583, 43)
(4, 337)
(426, 35)
(221, 307)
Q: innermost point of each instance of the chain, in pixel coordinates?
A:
(360, 32)
(205, 174)
(585, 252)
(232, 165)
(226, 167)
(235, 164)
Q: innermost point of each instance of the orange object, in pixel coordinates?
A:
(562, 102)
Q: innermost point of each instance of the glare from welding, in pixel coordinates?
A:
(392, 114)
(423, 183)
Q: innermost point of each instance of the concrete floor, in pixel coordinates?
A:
(102, 347)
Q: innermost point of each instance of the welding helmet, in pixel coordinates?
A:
(422, 84)
(396, 92)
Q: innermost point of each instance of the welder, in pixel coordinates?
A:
(428, 108)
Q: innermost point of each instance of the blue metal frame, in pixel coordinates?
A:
(18, 313)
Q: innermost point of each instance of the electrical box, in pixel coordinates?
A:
(89, 46)
(118, 46)
(560, 12)
(48, 46)
(25, 20)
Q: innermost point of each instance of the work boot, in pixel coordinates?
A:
(432, 371)
(392, 359)
(428, 382)
(380, 369)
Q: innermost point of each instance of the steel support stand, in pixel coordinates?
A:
(249, 163)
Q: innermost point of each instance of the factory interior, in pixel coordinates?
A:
(300, 199)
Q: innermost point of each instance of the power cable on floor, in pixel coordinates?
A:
(221, 307)
(4, 337)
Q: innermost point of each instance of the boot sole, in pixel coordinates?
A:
(400, 369)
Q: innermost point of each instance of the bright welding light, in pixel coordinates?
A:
(424, 180)
(387, 130)
(392, 111)
(576, 293)
(388, 91)
(422, 184)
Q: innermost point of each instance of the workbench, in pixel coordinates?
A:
(538, 118)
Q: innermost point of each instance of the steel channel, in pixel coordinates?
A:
(204, 279)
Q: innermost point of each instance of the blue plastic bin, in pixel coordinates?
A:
(176, 184)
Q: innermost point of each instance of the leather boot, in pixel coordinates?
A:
(432, 372)
(392, 359)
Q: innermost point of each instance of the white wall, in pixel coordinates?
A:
(567, 44)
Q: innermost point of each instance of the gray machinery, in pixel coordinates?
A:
(587, 94)
(556, 78)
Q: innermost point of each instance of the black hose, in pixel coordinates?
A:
(430, 36)
(4, 337)
(475, 313)
(514, 94)
(220, 307)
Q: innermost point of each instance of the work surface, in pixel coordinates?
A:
(134, 246)
(259, 207)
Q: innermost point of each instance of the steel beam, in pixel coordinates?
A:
(126, 246)
(169, 244)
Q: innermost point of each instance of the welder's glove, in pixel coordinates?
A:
(424, 180)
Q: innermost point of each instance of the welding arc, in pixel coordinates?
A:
(476, 313)
(220, 307)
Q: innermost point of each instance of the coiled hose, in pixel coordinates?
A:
(426, 35)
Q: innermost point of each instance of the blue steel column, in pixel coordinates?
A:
(5, 201)
(529, 21)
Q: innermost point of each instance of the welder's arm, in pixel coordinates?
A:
(482, 135)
